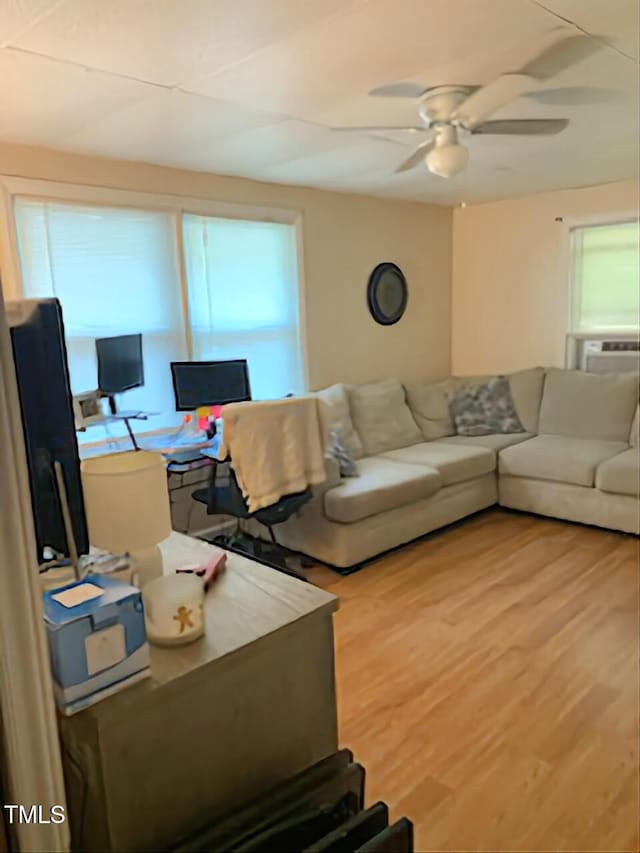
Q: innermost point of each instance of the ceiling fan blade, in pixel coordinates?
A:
(486, 100)
(523, 126)
(560, 55)
(418, 155)
(399, 90)
(556, 57)
(370, 128)
(574, 96)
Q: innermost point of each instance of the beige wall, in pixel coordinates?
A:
(510, 278)
(345, 236)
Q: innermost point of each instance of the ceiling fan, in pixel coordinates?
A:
(444, 111)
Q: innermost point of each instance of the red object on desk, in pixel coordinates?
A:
(208, 571)
(204, 421)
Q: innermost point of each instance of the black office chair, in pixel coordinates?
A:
(227, 499)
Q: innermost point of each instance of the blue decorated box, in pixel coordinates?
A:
(97, 640)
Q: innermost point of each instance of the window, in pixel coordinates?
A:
(605, 278)
(242, 288)
(115, 272)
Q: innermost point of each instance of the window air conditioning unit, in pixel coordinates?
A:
(610, 356)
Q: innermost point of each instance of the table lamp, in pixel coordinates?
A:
(127, 507)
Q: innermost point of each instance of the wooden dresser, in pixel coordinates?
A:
(220, 721)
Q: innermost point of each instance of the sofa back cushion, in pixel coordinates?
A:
(381, 416)
(429, 404)
(526, 391)
(335, 416)
(429, 401)
(588, 405)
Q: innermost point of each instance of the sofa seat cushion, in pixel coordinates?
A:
(559, 458)
(620, 475)
(494, 441)
(381, 485)
(455, 462)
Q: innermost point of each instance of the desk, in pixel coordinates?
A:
(118, 417)
(218, 722)
(180, 442)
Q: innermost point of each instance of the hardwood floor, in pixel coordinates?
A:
(488, 681)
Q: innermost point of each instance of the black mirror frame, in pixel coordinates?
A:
(374, 307)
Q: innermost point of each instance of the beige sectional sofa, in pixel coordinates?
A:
(578, 459)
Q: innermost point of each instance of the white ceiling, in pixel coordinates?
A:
(251, 87)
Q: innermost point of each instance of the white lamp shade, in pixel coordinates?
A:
(126, 500)
(447, 160)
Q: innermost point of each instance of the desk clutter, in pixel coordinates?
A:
(97, 640)
(320, 810)
(98, 627)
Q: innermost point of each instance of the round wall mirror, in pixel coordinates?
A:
(387, 294)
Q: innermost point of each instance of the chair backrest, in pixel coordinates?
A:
(229, 500)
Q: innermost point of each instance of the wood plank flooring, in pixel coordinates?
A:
(488, 681)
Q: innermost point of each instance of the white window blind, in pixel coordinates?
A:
(115, 272)
(242, 287)
(605, 278)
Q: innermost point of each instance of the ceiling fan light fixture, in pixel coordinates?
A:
(447, 160)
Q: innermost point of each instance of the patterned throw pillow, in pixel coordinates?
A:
(348, 467)
(487, 408)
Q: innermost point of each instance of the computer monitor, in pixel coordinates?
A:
(40, 359)
(119, 363)
(209, 383)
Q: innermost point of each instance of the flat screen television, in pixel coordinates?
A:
(46, 405)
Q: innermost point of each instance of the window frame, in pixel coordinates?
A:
(569, 225)
(175, 205)
(275, 333)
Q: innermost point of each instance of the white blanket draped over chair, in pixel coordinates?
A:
(275, 448)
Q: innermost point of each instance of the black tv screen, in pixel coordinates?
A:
(209, 383)
(120, 365)
(46, 405)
